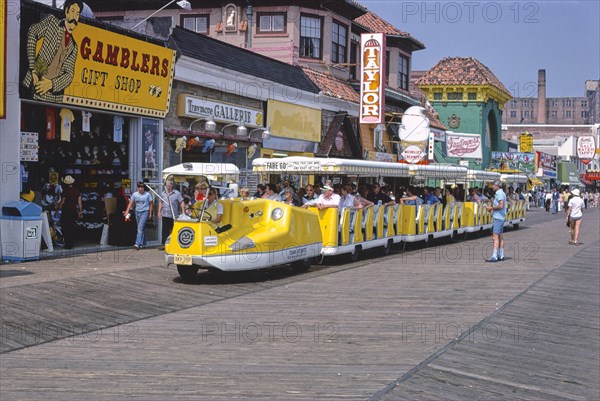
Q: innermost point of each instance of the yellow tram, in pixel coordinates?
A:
(260, 233)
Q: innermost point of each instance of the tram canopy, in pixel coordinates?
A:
(479, 175)
(514, 178)
(331, 166)
(220, 172)
(438, 171)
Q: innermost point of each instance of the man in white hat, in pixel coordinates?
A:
(498, 210)
(71, 209)
(326, 200)
(575, 215)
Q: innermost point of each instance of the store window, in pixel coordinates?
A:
(311, 37)
(198, 23)
(150, 167)
(339, 35)
(271, 22)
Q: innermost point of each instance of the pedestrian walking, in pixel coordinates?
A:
(575, 215)
(498, 209)
(143, 212)
(171, 204)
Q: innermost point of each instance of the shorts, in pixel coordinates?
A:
(575, 218)
(498, 226)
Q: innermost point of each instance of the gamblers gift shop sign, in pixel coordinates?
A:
(67, 61)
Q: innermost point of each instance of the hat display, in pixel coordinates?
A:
(28, 196)
(208, 145)
(231, 148)
(68, 180)
(251, 150)
(575, 192)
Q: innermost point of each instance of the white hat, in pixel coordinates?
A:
(68, 180)
(575, 192)
(327, 187)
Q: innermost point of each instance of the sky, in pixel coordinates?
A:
(514, 39)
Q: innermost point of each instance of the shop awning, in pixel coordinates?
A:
(568, 174)
(535, 181)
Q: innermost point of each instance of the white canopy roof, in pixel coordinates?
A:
(222, 172)
(514, 178)
(478, 175)
(438, 171)
(314, 165)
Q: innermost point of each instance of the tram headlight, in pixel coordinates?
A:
(277, 213)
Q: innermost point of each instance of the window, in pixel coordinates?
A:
(554, 113)
(567, 103)
(525, 113)
(455, 95)
(472, 96)
(513, 103)
(585, 114)
(310, 37)
(584, 103)
(554, 103)
(513, 114)
(196, 23)
(339, 38)
(403, 73)
(271, 22)
(437, 95)
(568, 113)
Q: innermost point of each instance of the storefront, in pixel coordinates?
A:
(92, 102)
(568, 175)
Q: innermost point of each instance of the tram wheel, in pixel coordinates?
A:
(516, 226)
(355, 255)
(187, 273)
(387, 247)
(302, 266)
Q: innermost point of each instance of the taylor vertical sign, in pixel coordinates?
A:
(372, 78)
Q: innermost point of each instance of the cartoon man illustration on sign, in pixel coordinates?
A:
(51, 68)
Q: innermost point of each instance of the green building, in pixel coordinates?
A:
(469, 99)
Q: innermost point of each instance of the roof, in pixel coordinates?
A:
(461, 71)
(331, 86)
(216, 52)
(374, 23)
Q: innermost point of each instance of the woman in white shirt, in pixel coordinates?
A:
(575, 215)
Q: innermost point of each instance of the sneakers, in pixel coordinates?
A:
(492, 260)
(501, 259)
(136, 246)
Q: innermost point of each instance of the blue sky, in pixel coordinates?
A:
(512, 38)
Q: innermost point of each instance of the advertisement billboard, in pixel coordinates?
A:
(466, 146)
(372, 78)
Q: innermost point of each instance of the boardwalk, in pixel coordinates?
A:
(435, 323)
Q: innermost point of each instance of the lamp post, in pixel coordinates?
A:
(185, 4)
(210, 124)
(240, 131)
(266, 133)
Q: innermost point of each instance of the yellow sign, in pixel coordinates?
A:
(526, 143)
(3, 23)
(93, 67)
(289, 120)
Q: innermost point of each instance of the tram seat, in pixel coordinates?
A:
(445, 223)
(438, 221)
(345, 226)
(420, 218)
(408, 218)
(459, 214)
(396, 215)
(378, 228)
(389, 230)
(357, 224)
(368, 221)
(429, 211)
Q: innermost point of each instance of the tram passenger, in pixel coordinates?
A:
(362, 197)
(213, 212)
(438, 193)
(428, 197)
(326, 200)
(289, 197)
(378, 197)
(310, 194)
(260, 191)
(347, 200)
(200, 191)
(244, 194)
(473, 197)
(411, 199)
(271, 193)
